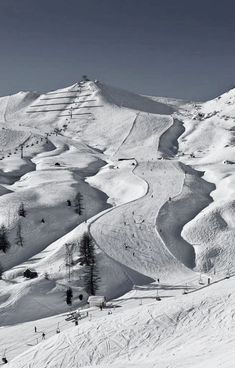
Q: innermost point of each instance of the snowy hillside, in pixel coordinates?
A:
(151, 182)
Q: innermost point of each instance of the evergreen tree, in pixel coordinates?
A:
(4, 242)
(69, 295)
(21, 210)
(19, 238)
(87, 258)
(91, 279)
(87, 251)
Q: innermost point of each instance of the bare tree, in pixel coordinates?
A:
(21, 210)
(19, 238)
(78, 204)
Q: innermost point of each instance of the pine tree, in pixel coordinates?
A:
(4, 242)
(91, 279)
(86, 250)
(19, 238)
(69, 295)
(21, 210)
(87, 258)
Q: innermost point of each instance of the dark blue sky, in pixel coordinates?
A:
(179, 48)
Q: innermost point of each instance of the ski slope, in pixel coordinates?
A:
(194, 331)
(156, 177)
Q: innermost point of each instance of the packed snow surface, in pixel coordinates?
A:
(155, 179)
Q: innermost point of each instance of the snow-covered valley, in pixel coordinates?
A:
(151, 181)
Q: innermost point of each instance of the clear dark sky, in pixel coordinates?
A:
(179, 48)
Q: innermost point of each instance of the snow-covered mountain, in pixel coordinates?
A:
(151, 181)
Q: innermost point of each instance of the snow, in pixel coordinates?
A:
(156, 177)
(153, 334)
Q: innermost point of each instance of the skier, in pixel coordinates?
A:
(35, 329)
(43, 336)
(42, 221)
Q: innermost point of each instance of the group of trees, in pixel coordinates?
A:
(88, 260)
(78, 203)
(86, 250)
(4, 241)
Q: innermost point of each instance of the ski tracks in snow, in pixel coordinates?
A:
(126, 212)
